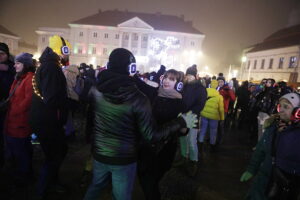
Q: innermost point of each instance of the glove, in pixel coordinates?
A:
(183, 132)
(246, 176)
(190, 119)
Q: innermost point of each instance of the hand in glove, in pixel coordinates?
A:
(183, 132)
(246, 176)
(190, 119)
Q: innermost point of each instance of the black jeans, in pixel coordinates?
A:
(54, 145)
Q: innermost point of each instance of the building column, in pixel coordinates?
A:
(129, 40)
(139, 43)
(120, 39)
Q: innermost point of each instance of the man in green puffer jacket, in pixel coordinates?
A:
(122, 120)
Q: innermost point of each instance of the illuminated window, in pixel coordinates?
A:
(126, 36)
(262, 64)
(145, 38)
(94, 50)
(271, 63)
(293, 60)
(104, 51)
(280, 65)
(79, 50)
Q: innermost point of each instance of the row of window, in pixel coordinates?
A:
(117, 36)
(292, 63)
(93, 50)
(126, 37)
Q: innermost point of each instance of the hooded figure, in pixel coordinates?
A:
(122, 121)
(49, 113)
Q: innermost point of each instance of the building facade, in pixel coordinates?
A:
(11, 39)
(276, 57)
(154, 39)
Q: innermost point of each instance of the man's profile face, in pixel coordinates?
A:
(3, 56)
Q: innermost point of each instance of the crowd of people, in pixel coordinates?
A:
(136, 123)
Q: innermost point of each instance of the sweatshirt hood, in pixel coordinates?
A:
(116, 88)
(212, 92)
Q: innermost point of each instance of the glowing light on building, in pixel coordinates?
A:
(159, 47)
(142, 59)
(93, 62)
(244, 59)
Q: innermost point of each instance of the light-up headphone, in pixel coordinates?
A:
(64, 49)
(132, 65)
(295, 116)
(178, 85)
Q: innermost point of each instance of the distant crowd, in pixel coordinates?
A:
(136, 123)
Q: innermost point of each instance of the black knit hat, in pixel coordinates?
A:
(4, 48)
(221, 78)
(119, 60)
(192, 71)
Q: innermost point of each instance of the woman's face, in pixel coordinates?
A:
(169, 83)
(19, 66)
(285, 111)
(269, 83)
(221, 83)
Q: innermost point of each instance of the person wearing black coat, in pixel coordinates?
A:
(243, 98)
(194, 98)
(122, 120)
(7, 74)
(153, 165)
(149, 91)
(47, 117)
(159, 73)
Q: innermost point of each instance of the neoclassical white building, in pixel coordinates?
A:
(11, 39)
(276, 57)
(154, 39)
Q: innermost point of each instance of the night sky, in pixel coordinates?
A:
(229, 25)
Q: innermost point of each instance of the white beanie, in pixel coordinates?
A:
(293, 98)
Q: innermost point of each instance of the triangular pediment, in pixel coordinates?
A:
(135, 23)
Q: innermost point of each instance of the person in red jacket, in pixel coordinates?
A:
(16, 127)
(228, 95)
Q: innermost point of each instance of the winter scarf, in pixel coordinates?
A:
(172, 94)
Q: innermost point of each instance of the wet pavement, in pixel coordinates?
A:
(217, 177)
